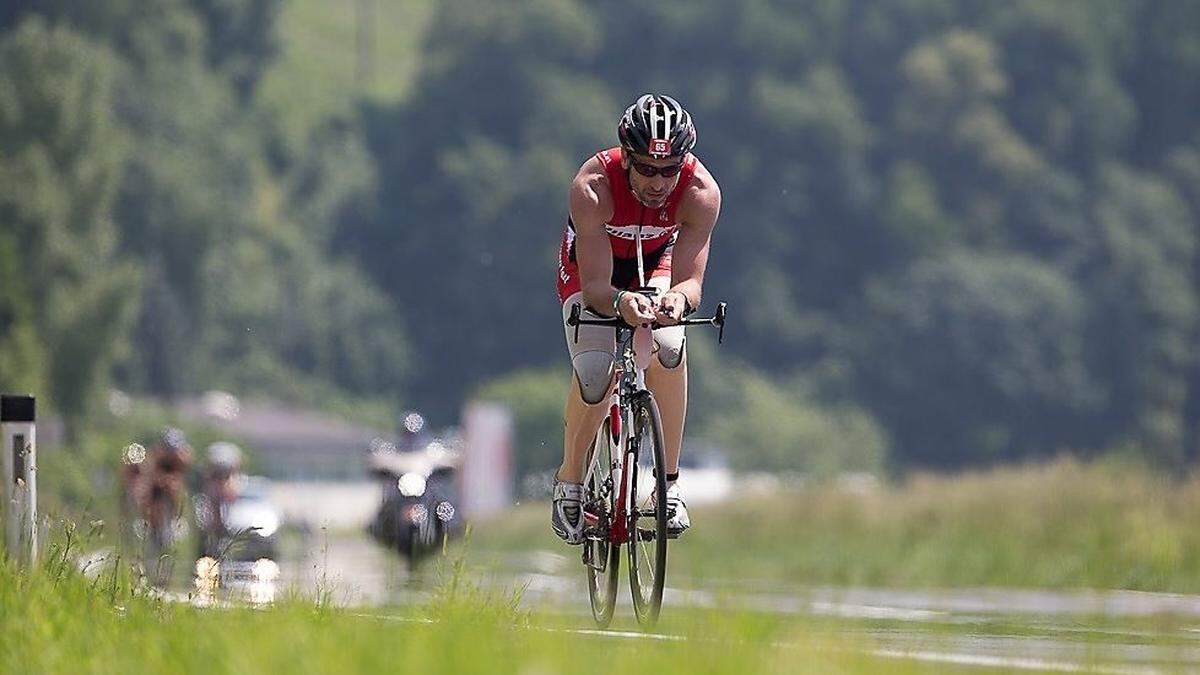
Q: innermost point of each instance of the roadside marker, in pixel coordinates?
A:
(17, 434)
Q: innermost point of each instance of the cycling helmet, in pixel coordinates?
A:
(172, 439)
(225, 455)
(657, 126)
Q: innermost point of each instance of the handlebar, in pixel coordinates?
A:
(717, 320)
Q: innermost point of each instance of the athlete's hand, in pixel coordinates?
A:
(671, 308)
(636, 309)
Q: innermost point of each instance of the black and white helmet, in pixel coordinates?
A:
(657, 126)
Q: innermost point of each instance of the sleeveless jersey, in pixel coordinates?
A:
(658, 226)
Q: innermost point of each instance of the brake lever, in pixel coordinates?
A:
(719, 322)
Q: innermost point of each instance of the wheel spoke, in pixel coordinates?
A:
(605, 561)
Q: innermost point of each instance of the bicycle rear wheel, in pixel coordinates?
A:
(648, 510)
(601, 557)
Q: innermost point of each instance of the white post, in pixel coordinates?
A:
(486, 480)
(17, 438)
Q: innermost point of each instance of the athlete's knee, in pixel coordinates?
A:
(593, 369)
(671, 353)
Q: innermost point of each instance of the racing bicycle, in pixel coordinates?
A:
(625, 488)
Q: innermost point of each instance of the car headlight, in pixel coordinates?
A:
(411, 485)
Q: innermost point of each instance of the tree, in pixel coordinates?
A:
(59, 169)
(1144, 312)
(241, 39)
(973, 358)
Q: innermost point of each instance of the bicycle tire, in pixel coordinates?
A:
(647, 513)
(602, 584)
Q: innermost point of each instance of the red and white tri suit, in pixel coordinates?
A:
(658, 227)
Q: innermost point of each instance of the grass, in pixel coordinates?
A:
(53, 620)
(1065, 524)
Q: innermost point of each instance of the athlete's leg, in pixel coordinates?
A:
(667, 378)
(587, 398)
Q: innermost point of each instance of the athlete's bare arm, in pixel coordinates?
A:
(698, 211)
(591, 205)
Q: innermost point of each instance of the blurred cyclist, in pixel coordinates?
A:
(650, 187)
(163, 479)
(222, 470)
(220, 485)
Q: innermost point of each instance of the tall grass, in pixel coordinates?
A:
(1064, 524)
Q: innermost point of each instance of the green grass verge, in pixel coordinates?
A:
(1065, 524)
(52, 620)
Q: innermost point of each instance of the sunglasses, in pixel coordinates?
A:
(650, 171)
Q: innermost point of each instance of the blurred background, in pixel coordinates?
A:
(954, 235)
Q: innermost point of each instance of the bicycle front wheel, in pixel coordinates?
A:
(601, 557)
(648, 510)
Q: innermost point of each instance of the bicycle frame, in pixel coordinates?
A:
(631, 380)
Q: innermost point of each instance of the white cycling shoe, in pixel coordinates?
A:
(677, 515)
(566, 515)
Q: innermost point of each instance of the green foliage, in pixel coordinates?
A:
(1146, 304)
(332, 59)
(21, 368)
(979, 213)
(981, 353)
(60, 154)
(241, 38)
(765, 427)
(922, 190)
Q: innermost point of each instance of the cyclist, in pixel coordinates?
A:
(650, 186)
(168, 462)
(161, 492)
(221, 482)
